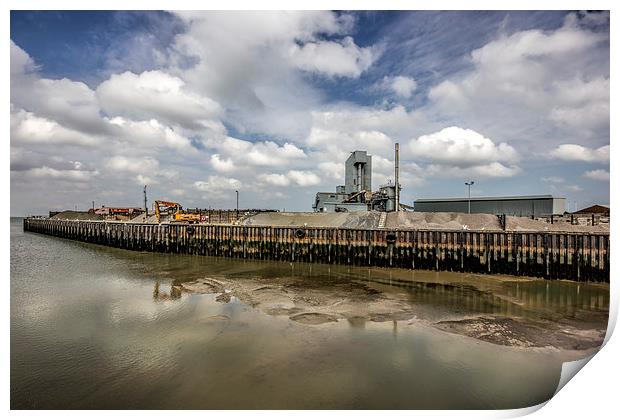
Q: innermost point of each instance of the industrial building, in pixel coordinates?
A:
(528, 205)
(597, 209)
(356, 194)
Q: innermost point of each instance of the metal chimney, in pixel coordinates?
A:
(396, 170)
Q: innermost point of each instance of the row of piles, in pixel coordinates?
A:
(550, 255)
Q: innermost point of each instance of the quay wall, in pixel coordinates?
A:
(549, 255)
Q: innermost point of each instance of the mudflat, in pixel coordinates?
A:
(504, 310)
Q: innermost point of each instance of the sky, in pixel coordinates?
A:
(197, 105)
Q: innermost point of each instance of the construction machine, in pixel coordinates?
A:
(178, 216)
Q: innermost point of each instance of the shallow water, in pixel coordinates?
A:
(95, 327)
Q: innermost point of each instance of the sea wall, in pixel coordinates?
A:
(550, 255)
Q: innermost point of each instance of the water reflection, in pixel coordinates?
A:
(357, 322)
(442, 293)
(159, 295)
(166, 348)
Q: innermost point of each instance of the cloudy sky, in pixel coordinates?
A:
(199, 104)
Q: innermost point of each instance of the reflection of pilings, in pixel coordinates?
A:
(158, 295)
(550, 255)
(519, 297)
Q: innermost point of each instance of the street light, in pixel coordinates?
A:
(469, 184)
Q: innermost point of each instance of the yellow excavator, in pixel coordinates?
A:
(178, 215)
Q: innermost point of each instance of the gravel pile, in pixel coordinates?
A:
(150, 219)
(442, 221)
(298, 219)
(362, 220)
(525, 224)
(76, 215)
(415, 220)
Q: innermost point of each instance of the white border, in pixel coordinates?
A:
(593, 394)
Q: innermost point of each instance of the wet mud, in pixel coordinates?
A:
(503, 311)
(524, 333)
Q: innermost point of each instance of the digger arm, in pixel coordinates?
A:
(159, 203)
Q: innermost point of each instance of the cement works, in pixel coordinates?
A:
(357, 226)
(550, 255)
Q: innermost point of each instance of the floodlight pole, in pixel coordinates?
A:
(469, 184)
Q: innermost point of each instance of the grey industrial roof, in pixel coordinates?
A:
(515, 197)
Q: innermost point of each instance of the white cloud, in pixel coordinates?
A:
(145, 180)
(581, 103)
(70, 104)
(59, 174)
(401, 85)
(21, 63)
(222, 165)
(333, 58)
(340, 143)
(156, 94)
(137, 165)
(333, 170)
(304, 178)
(234, 152)
(597, 174)
(535, 44)
(524, 96)
(462, 148)
(270, 154)
(338, 131)
(301, 178)
(218, 184)
(147, 169)
(395, 122)
(278, 180)
(576, 152)
(258, 74)
(149, 135)
(531, 86)
(28, 128)
(490, 170)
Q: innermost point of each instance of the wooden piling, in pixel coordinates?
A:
(549, 255)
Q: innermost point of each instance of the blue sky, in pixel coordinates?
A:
(198, 104)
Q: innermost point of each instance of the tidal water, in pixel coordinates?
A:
(95, 327)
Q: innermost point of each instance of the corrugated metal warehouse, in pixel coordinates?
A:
(527, 205)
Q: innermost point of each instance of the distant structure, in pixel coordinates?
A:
(357, 173)
(595, 209)
(528, 205)
(356, 194)
(117, 213)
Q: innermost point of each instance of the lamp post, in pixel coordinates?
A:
(237, 191)
(469, 184)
